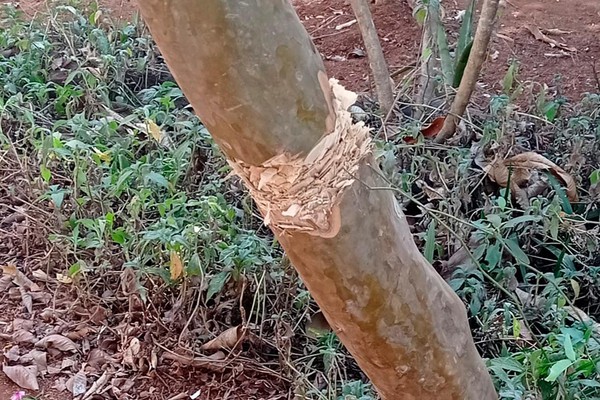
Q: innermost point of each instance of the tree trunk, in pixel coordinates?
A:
(379, 68)
(258, 84)
(485, 27)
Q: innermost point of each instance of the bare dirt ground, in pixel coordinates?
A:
(570, 72)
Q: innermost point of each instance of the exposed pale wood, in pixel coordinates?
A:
(256, 81)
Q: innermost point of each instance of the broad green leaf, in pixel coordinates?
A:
(494, 219)
(507, 363)
(119, 236)
(158, 179)
(557, 369)
(74, 269)
(568, 345)
(430, 242)
(551, 110)
(420, 14)
(560, 191)
(516, 251)
(595, 177)
(194, 267)
(493, 255)
(45, 173)
(442, 41)
(217, 283)
(57, 198)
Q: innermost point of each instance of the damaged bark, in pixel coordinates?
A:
(255, 79)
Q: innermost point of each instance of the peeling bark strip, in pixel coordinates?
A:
(301, 193)
(258, 84)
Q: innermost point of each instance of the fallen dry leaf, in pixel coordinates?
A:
(19, 278)
(38, 358)
(23, 336)
(154, 130)
(430, 131)
(26, 299)
(25, 377)
(97, 385)
(57, 342)
(130, 353)
(522, 164)
(228, 339)
(176, 266)
(539, 35)
(12, 354)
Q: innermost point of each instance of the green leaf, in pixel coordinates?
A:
(459, 69)
(568, 345)
(45, 173)
(501, 201)
(595, 177)
(430, 242)
(551, 110)
(158, 179)
(74, 269)
(494, 219)
(557, 369)
(516, 251)
(119, 236)
(519, 220)
(509, 78)
(217, 283)
(516, 328)
(508, 364)
(560, 191)
(493, 255)
(466, 31)
(57, 198)
(420, 14)
(194, 267)
(554, 227)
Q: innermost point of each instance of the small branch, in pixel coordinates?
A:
(381, 74)
(485, 27)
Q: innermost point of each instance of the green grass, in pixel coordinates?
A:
(110, 149)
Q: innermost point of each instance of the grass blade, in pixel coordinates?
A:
(465, 37)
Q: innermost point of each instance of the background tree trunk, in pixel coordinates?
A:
(379, 68)
(258, 84)
(485, 27)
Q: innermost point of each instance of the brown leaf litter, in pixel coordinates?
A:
(518, 170)
(539, 35)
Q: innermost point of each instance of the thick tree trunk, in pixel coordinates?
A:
(257, 82)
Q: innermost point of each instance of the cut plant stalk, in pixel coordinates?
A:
(259, 85)
(478, 53)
